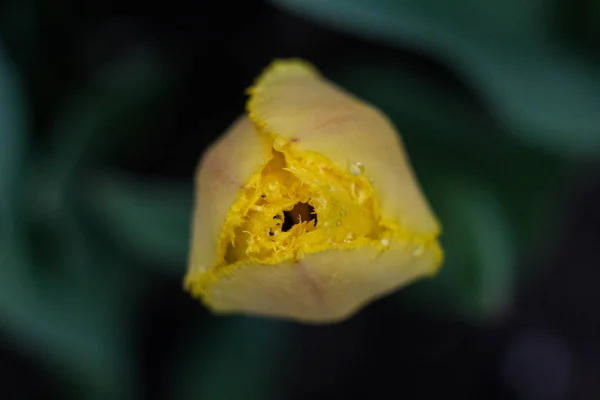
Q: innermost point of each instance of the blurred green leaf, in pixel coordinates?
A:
(237, 359)
(149, 220)
(76, 330)
(74, 324)
(547, 94)
(106, 114)
(65, 298)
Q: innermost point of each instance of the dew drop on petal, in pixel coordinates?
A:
(338, 223)
(356, 169)
(385, 242)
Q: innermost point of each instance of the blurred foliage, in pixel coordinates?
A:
(488, 133)
(67, 289)
(238, 358)
(143, 219)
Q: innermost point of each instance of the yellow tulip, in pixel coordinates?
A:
(307, 207)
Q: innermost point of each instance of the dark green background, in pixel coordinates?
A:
(104, 114)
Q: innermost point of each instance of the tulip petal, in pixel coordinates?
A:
(223, 170)
(308, 208)
(323, 287)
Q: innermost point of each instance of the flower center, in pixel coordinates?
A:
(299, 204)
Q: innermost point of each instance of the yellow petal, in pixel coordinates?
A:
(223, 170)
(310, 210)
(327, 286)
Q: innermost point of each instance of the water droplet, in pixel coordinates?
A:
(342, 213)
(326, 223)
(385, 242)
(338, 223)
(418, 250)
(356, 169)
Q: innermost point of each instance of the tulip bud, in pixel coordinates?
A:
(307, 207)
